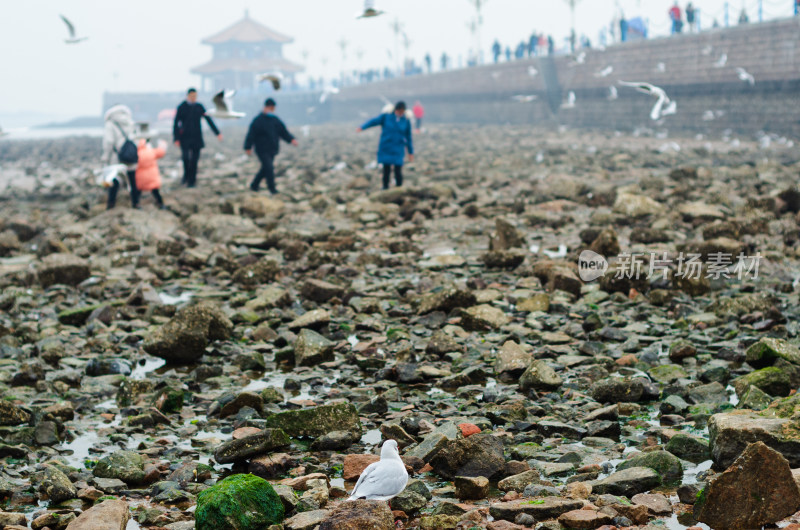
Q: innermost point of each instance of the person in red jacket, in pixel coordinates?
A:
(148, 177)
(675, 16)
(419, 113)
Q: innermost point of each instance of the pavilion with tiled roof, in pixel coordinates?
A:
(241, 52)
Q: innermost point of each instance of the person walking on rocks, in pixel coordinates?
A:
(188, 135)
(265, 133)
(419, 113)
(395, 141)
(118, 129)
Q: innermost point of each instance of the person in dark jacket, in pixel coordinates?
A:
(265, 133)
(188, 135)
(395, 140)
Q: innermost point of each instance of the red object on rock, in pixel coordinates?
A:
(468, 429)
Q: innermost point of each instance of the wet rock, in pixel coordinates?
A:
(584, 519)
(220, 228)
(519, 481)
(240, 502)
(541, 509)
(656, 503)
(680, 350)
(66, 269)
(126, 466)
(615, 390)
(442, 343)
(11, 414)
(758, 489)
(362, 514)
(257, 274)
(690, 448)
(185, 337)
(317, 421)
(667, 465)
(774, 380)
(632, 205)
(503, 259)
(320, 291)
(627, 482)
(251, 446)
(446, 300)
(334, 441)
(506, 236)
(539, 376)
(314, 319)
(57, 486)
(312, 348)
(764, 352)
(306, 520)
(729, 434)
(439, 522)
(471, 487)
(109, 514)
(754, 399)
(10, 519)
(483, 318)
(480, 455)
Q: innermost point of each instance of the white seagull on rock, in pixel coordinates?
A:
(223, 106)
(276, 78)
(383, 479)
(72, 38)
(569, 103)
(745, 76)
(612, 93)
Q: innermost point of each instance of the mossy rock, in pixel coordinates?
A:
(689, 448)
(77, 316)
(767, 350)
(240, 502)
(169, 400)
(775, 381)
(666, 464)
(667, 373)
(317, 421)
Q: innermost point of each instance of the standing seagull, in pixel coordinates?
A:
(223, 106)
(612, 93)
(532, 71)
(369, 10)
(383, 479)
(569, 103)
(276, 78)
(745, 76)
(72, 38)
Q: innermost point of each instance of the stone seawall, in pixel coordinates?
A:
(688, 67)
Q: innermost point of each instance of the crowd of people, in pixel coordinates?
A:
(537, 44)
(135, 165)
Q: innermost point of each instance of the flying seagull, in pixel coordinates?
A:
(383, 479)
(223, 106)
(579, 58)
(276, 78)
(656, 92)
(722, 61)
(524, 98)
(369, 10)
(327, 91)
(661, 68)
(72, 38)
(532, 71)
(745, 76)
(605, 72)
(569, 103)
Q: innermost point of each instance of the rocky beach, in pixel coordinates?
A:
(236, 360)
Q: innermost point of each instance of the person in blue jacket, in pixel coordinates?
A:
(395, 140)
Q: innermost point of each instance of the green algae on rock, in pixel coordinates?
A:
(317, 421)
(239, 502)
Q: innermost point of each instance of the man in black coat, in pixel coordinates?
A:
(266, 132)
(188, 135)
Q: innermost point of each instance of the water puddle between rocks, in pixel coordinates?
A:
(690, 473)
(673, 524)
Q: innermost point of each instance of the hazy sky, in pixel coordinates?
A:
(150, 45)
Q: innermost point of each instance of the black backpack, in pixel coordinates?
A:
(128, 153)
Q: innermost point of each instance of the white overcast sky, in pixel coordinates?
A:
(150, 45)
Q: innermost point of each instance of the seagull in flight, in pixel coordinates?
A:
(223, 106)
(276, 78)
(72, 38)
(661, 68)
(326, 92)
(369, 10)
(745, 76)
(656, 92)
(605, 72)
(383, 479)
(579, 59)
(532, 71)
(525, 98)
(569, 103)
(722, 61)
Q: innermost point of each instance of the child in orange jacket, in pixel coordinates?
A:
(148, 177)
